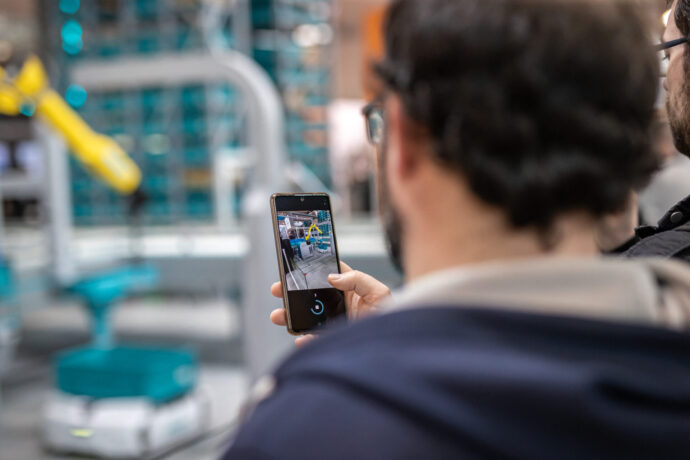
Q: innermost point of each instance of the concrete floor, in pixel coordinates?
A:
(312, 273)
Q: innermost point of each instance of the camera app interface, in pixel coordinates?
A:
(307, 249)
(308, 254)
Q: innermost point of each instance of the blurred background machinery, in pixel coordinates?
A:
(175, 125)
(97, 386)
(161, 79)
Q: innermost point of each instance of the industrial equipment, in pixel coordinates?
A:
(6, 287)
(8, 327)
(29, 93)
(122, 401)
(110, 401)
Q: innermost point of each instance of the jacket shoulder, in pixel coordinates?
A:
(669, 243)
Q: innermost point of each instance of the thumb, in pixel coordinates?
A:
(365, 286)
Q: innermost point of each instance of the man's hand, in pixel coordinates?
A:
(362, 295)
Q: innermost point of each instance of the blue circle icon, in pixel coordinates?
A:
(318, 308)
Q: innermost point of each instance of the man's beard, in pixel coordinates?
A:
(677, 108)
(390, 218)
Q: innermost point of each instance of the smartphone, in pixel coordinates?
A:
(307, 254)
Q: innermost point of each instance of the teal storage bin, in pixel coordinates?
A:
(160, 375)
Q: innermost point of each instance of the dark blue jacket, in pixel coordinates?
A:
(446, 383)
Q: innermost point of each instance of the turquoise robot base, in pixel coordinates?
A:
(118, 401)
(161, 375)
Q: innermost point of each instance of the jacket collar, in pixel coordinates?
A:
(648, 291)
(678, 215)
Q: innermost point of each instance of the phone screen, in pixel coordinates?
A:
(308, 254)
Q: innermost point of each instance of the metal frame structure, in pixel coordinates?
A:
(264, 343)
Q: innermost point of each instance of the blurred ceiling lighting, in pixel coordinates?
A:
(665, 16)
(72, 37)
(308, 35)
(75, 95)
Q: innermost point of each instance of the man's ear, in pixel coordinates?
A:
(406, 139)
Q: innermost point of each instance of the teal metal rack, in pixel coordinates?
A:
(302, 72)
(172, 132)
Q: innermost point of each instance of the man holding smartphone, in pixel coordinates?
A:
(514, 126)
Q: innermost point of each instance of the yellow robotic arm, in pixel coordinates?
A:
(100, 154)
(313, 227)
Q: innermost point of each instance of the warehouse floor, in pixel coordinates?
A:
(312, 273)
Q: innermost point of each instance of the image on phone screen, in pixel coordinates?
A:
(307, 254)
(307, 249)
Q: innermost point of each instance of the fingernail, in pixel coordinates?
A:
(334, 277)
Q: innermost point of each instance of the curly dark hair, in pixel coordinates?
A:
(681, 14)
(543, 106)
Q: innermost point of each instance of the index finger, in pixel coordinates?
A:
(277, 289)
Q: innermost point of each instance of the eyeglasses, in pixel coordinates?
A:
(373, 114)
(670, 44)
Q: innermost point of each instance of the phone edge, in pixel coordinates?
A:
(280, 262)
(281, 275)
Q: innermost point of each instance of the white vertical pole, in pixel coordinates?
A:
(264, 343)
(57, 199)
